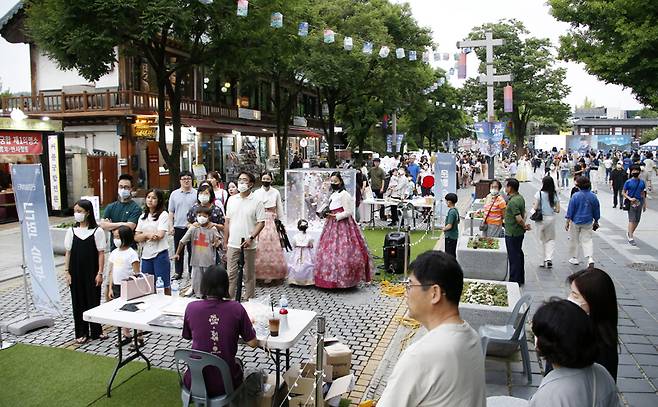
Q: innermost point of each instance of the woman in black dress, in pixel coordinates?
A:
(83, 265)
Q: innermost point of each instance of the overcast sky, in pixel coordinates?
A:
(450, 21)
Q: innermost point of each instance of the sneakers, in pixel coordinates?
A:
(549, 264)
(590, 262)
(574, 261)
(631, 241)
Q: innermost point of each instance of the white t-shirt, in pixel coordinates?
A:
(122, 264)
(83, 233)
(150, 248)
(243, 214)
(444, 368)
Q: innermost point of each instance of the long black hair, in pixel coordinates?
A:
(597, 288)
(340, 178)
(214, 282)
(548, 186)
(126, 235)
(159, 208)
(206, 187)
(89, 208)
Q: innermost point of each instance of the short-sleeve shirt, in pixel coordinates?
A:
(151, 248)
(377, 176)
(122, 264)
(83, 233)
(452, 218)
(634, 188)
(243, 214)
(203, 251)
(120, 212)
(214, 326)
(494, 209)
(180, 203)
(515, 206)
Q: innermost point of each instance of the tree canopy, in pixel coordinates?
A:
(615, 39)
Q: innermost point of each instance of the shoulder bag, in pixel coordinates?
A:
(484, 226)
(538, 216)
(627, 202)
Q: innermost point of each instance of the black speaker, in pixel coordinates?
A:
(394, 259)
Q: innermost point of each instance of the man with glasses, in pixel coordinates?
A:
(445, 367)
(180, 203)
(245, 219)
(122, 212)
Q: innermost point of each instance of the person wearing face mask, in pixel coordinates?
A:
(342, 258)
(270, 261)
(617, 179)
(218, 188)
(151, 234)
(204, 239)
(181, 201)
(398, 188)
(84, 262)
(245, 219)
(493, 211)
(123, 212)
(301, 265)
(635, 195)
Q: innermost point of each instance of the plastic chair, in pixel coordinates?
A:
(512, 333)
(196, 361)
(506, 401)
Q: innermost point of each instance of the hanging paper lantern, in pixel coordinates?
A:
(367, 48)
(426, 57)
(456, 56)
(399, 53)
(348, 43)
(329, 36)
(446, 56)
(442, 81)
(243, 8)
(437, 56)
(277, 20)
(412, 55)
(451, 71)
(461, 69)
(508, 99)
(302, 30)
(384, 51)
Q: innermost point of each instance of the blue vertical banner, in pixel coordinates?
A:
(389, 143)
(398, 142)
(30, 195)
(445, 174)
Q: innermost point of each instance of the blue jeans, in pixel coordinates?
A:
(159, 266)
(564, 179)
(515, 257)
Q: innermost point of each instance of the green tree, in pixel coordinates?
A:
(588, 103)
(82, 35)
(539, 86)
(649, 135)
(615, 39)
(647, 114)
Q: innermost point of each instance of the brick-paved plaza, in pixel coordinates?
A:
(364, 317)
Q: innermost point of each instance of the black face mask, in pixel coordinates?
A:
(635, 174)
(266, 184)
(335, 187)
(302, 228)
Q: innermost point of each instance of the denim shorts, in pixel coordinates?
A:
(634, 213)
(159, 266)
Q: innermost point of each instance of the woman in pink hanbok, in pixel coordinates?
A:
(342, 257)
(270, 261)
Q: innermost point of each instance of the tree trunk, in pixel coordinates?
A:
(331, 156)
(175, 94)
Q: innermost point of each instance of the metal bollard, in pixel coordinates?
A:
(319, 363)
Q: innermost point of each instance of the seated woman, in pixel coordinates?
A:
(564, 335)
(214, 325)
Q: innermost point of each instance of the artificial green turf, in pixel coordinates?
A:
(43, 376)
(375, 240)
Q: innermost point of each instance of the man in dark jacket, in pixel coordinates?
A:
(617, 179)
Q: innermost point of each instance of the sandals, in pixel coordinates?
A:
(82, 340)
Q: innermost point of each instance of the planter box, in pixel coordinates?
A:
(471, 226)
(477, 315)
(57, 236)
(485, 264)
(477, 204)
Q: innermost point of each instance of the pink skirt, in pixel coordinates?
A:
(270, 262)
(342, 258)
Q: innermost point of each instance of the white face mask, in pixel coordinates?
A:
(578, 303)
(202, 220)
(204, 199)
(494, 192)
(79, 217)
(401, 173)
(117, 242)
(124, 193)
(243, 187)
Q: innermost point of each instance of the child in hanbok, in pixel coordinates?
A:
(301, 264)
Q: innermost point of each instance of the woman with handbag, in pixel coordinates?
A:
(493, 211)
(545, 206)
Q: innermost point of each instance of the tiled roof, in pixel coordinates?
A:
(10, 14)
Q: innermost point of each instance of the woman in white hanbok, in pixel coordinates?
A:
(522, 170)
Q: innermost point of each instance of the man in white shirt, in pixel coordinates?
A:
(245, 218)
(445, 367)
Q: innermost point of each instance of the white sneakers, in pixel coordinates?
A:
(590, 262)
(574, 261)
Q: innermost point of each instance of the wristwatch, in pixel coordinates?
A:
(251, 238)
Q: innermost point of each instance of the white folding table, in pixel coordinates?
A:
(109, 313)
(418, 203)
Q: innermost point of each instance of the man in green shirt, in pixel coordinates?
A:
(377, 176)
(451, 226)
(124, 211)
(515, 228)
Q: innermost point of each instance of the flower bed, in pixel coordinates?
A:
(485, 294)
(483, 243)
(478, 314)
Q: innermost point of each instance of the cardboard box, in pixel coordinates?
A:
(269, 388)
(301, 392)
(339, 356)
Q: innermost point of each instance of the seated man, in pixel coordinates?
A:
(446, 366)
(214, 325)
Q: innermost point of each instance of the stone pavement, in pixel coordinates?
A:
(633, 270)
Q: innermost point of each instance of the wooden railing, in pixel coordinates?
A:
(121, 102)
